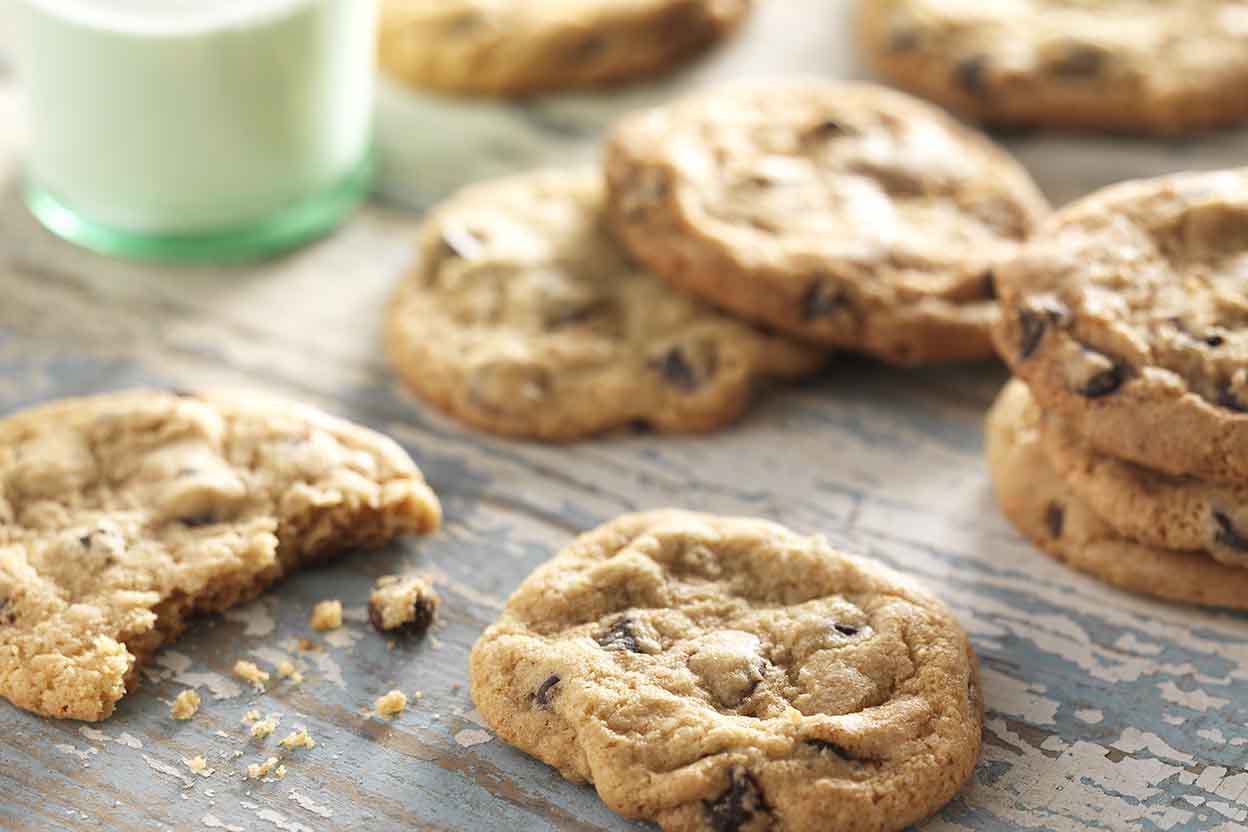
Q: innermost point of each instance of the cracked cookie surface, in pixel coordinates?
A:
(716, 673)
(1122, 65)
(523, 317)
(1127, 315)
(122, 515)
(1047, 511)
(846, 214)
(508, 48)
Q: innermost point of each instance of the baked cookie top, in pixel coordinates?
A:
(123, 514)
(1127, 314)
(495, 47)
(1123, 65)
(523, 317)
(1145, 505)
(714, 673)
(844, 213)
(1049, 513)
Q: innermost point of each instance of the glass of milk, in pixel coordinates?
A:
(196, 129)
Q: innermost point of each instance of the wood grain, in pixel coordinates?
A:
(1105, 711)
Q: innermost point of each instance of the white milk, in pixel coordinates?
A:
(159, 117)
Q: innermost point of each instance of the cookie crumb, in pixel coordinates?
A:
(252, 673)
(256, 771)
(299, 739)
(251, 716)
(406, 604)
(287, 670)
(307, 645)
(199, 765)
(265, 727)
(280, 772)
(327, 615)
(186, 705)
(392, 704)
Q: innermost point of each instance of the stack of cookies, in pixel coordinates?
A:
(1122, 446)
(737, 236)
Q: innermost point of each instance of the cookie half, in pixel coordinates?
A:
(493, 48)
(1049, 513)
(1154, 508)
(1127, 315)
(713, 673)
(523, 317)
(123, 515)
(842, 213)
(1118, 65)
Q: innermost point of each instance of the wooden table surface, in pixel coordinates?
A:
(1105, 711)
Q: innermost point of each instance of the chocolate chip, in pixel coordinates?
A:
(1226, 534)
(542, 697)
(971, 74)
(829, 129)
(588, 48)
(738, 806)
(200, 520)
(1228, 399)
(182, 393)
(1054, 519)
(1214, 340)
(620, 637)
(681, 371)
(838, 751)
(85, 540)
(1034, 321)
(823, 299)
(1080, 62)
(7, 616)
(988, 285)
(1103, 383)
(423, 612)
(846, 630)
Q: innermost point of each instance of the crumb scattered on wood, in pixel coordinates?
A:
(252, 673)
(251, 716)
(255, 771)
(327, 615)
(199, 765)
(299, 739)
(186, 705)
(262, 728)
(392, 704)
(287, 670)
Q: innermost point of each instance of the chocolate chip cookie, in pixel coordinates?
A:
(843, 213)
(123, 515)
(1120, 65)
(1145, 505)
(523, 317)
(492, 48)
(714, 673)
(1127, 315)
(1049, 513)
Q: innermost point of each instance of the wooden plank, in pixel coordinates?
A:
(1105, 710)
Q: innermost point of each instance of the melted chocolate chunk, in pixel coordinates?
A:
(1226, 535)
(1033, 322)
(988, 284)
(736, 807)
(1080, 62)
(829, 129)
(200, 520)
(1103, 383)
(7, 616)
(1228, 399)
(542, 697)
(822, 299)
(838, 751)
(589, 48)
(423, 611)
(971, 75)
(620, 637)
(680, 372)
(846, 630)
(1054, 519)
(1214, 340)
(182, 393)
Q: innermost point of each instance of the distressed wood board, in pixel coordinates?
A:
(1105, 710)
